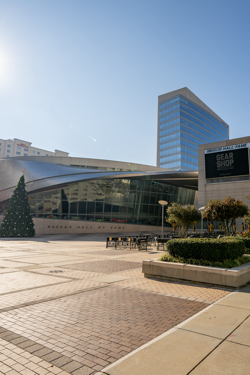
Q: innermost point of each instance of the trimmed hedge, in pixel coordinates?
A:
(246, 241)
(206, 248)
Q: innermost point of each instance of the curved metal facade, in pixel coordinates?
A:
(63, 192)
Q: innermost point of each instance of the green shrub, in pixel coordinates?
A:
(246, 241)
(227, 263)
(206, 248)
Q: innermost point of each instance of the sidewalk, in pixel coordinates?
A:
(214, 341)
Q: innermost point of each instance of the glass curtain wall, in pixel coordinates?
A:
(182, 127)
(118, 200)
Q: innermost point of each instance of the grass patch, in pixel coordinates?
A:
(227, 263)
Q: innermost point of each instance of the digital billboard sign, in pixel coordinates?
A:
(227, 161)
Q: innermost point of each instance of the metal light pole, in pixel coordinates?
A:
(201, 209)
(162, 203)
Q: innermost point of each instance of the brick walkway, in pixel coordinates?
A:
(85, 307)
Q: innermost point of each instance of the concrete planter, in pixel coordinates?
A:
(233, 277)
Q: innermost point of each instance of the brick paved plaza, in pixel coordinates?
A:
(71, 306)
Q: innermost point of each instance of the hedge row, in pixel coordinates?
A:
(207, 249)
(246, 241)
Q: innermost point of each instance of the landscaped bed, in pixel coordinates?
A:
(213, 261)
(227, 263)
(227, 252)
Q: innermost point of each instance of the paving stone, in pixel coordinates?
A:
(51, 356)
(83, 371)
(105, 266)
(33, 348)
(11, 336)
(72, 366)
(61, 361)
(26, 344)
(7, 334)
(110, 278)
(92, 323)
(18, 340)
(41, 352)
(112, 252)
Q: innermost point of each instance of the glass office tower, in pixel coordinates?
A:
(184, 122)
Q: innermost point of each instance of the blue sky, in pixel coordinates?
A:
(84, 76)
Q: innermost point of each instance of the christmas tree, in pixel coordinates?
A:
(17, 221)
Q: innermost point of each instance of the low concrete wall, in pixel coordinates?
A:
(53, 226)
(233, 277)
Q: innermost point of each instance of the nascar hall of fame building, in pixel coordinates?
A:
(79, 195)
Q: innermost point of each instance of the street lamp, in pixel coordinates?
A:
(201, 209)
(162, 203)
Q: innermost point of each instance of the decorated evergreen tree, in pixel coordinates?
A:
(17, 221)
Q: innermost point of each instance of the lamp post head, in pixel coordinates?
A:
(163, 203)
(202, 208)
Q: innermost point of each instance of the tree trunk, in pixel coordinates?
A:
(183, 232)
(225, 227)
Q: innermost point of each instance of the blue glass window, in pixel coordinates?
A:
(178, 142)
(8, 145)
(191, 122)
(25, 154)
(169, 103)
(170, 123)
(179, 165)
(182, 150)
(176, 164)
(191, 129)
(26, 150)
(170, 109)
(199, 113)
(184, 133)
(169, 117)
(18, 153)
(177, 157)
(38, 153)
(182, 127)
(8, 151)
(204, 123)
(205, 114)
